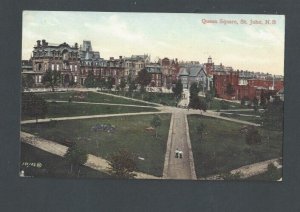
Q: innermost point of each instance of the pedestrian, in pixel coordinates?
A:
(180, 154)
(176, 153)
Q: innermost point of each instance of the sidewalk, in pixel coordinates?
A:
(98, 103)
(88, 117)
(249, 170)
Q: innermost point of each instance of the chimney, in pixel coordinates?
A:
(111, 58)
(76, 45)
(43, 42)
(38, 43)
(120, 57)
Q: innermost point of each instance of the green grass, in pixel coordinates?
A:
(215, 104)
(89, 97)
(160, 98)
(223, 148)
(252, 119)
(51, 165)
(61, 109)
(130, 134)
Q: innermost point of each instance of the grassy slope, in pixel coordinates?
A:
(130, 134)
(52, 165)
(90, 97)
(223, 147)
(74, 109)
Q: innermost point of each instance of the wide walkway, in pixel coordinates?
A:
(93, 161)
(88, 117)
(179, 168)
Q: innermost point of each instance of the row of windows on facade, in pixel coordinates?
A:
(38, 78)
(54, 53)
(55, 67)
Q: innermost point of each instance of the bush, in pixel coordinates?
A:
(252, 136)
(224, 105)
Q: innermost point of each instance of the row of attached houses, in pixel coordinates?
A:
(75, 63)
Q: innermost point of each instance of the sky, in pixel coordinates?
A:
(188, 37)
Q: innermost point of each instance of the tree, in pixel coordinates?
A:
(194, 90)
(252, 136)
(255, 104)
(230, 89)
(177, 90)
(109, 83)
(156, 122)
(33, 105)
(90, 81)
(144, 78)
(132, 85)
(51, 78)
(27, 81)
(100, 82)
(122, 84)
(122, 165)
(197, 103)
(76, 157)
(272, 117)
(209, 98)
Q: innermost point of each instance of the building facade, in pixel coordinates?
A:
(63, 58)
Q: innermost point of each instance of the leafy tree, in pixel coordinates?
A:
(209, 98)
(252, 136)
(34, 105)
(90, 81)
(122, 165)
(109, 83)
(197, 103)
(132, 85)
(51, 78)
(27, 81)
(272, 117)
(177, 90)
(144, 78)
(156, 122)
(122, 84)
(100, 82)
(230, 89)
(194, 90)
(255, 104)
(76, 157)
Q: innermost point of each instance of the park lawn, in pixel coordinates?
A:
(130, 134)
(155, 97)
(89, 97)
(252, 119)
(52, 165)
(223, 148)
(215, 104)
(66, 109)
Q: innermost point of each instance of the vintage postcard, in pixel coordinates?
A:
(152, 96)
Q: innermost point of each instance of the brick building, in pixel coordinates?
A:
(62, 57)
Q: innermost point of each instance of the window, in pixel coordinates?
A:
(52, 67)
(57, 67)
(40, 79)
(75, 79)
(71, 67)
(75, 67)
